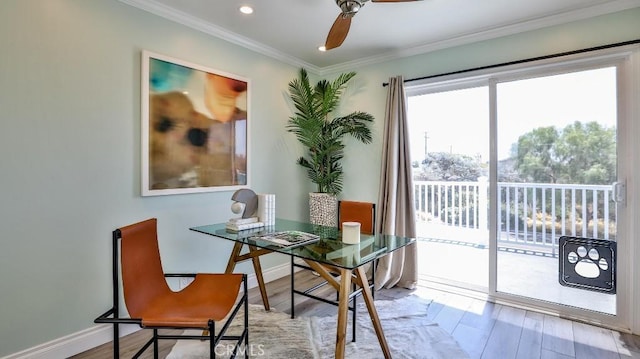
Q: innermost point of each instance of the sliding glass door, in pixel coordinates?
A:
(450, 154)
(557, 165)
(520, 185)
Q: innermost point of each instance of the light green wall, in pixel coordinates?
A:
(70, 145)
(70, 134)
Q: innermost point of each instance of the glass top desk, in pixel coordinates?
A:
(328, 253)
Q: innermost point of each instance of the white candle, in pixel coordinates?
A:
(351, 232)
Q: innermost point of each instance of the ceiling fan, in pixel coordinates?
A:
(341, 26)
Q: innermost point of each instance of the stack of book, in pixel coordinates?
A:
(240, 224)
(267, 209)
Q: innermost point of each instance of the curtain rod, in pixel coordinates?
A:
(531, 59)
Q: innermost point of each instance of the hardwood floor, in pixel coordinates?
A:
(484, 330)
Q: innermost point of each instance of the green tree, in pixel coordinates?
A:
(589, 153)
(583, 153)
(443, 166)
(536, 157)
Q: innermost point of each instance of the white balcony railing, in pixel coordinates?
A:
(531, 214)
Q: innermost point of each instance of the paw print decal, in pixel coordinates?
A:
(588, 263)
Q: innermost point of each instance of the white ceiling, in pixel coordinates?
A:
(292, 30)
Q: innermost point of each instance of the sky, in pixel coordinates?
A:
(458, 121)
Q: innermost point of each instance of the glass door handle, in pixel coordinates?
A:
(619, 192)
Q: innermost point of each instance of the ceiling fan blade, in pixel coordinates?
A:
(338, 32)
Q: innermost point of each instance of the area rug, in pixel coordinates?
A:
(274, 335)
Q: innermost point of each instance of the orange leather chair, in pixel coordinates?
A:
(153, 305)
(348, 211)
(363, 212)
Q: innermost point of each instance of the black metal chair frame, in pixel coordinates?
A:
(355, 292)
(112, 316)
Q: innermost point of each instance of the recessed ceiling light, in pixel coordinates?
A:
(246, 9)
(322, 48)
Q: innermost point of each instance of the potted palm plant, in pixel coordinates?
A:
(322, 135)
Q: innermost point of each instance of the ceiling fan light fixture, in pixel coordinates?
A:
(350, 7)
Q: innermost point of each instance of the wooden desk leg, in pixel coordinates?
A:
(258, 269)
(231, 264)
(343, 311)
(373, 313)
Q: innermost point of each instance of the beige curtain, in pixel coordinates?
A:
(396, 212)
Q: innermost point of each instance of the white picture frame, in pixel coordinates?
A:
(195, 128)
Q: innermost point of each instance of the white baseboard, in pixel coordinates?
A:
(97, 335)
(74, 343)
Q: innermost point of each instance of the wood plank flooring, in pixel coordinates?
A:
(484, 330)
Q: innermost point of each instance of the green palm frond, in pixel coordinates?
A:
(319, 133)
(356, 125)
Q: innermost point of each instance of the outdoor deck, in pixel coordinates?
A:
(461, 255)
